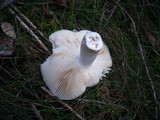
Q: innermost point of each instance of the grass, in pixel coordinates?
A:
(125, 94)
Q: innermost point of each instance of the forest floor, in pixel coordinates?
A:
(131, 91)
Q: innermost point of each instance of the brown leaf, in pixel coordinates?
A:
(8, 29)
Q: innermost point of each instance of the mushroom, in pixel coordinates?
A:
(79, 60)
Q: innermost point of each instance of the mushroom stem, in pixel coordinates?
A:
(90, 47)
(87, 56)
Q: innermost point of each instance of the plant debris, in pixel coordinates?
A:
(8, 29)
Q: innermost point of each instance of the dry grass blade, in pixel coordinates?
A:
(29, 30)
(134, 25)
(150, 80)
(103, 12)
(63, 103)
(94, 101)
(36, 112)
(41, 3)
(113, 10)
(144, 61)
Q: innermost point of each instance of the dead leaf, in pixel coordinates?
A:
(8, 29)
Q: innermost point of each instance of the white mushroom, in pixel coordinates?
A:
(79, 60)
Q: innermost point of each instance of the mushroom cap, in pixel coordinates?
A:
(62, 72)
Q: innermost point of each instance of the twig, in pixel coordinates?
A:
(63, 103)
(31, 24)
(37, 112)
(29, 30)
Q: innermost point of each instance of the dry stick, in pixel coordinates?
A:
(63, 103)
(37, 112)
(145, 63)
(29, 30)
(31, 24)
